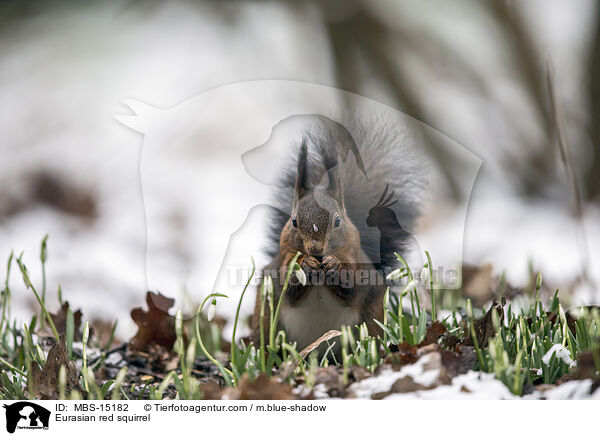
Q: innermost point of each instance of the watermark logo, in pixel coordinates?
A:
(26, 415)
(217, 177)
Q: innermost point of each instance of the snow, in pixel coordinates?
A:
(473, 385)
(470, 386)
(319, 391)
(114, 359)
(425, 371)
(561, 352)
(140, 59)
(102, 266)
(476, 385)
(380, 383)
(572, 390)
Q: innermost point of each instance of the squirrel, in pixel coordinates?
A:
(346, 216)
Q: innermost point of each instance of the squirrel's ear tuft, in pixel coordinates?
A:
(330, 166)
(330, 159)
(335, 184)
(302, 175)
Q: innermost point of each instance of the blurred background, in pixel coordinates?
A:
(516, 83)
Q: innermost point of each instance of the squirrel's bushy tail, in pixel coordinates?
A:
(382, 175)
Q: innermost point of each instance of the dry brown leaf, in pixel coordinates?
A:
(331, 377)
(450, 341)
(572, 315)
(325, 337)
(460, 361)
(433, 332)
(401, 386)
(60, 321)
(449, 363)
(155, 326)
(263, 388)
(359, 373)
(43, 383)
(553, 317)
(587, 362)
(484, 327)
(404, 354)
(102, 331)
(431, 359)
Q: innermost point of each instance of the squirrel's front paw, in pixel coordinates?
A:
(309, 263)
(312, 268)
(331, 263)
(336, 275)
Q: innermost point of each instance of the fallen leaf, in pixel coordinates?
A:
(325, 337)
(263, 388)
(572, 315)
(405, 353)
(450, 341)
(428, 372)
(553, 317)
(60, 321)
(587, 362)
(43, 383)
(433, 333)
(460, 361)
(400, 386)
(332, 378)
(359, 373)
(155, 326)
(103, 331)
(448, 363)
(402, 354)
(484, 327)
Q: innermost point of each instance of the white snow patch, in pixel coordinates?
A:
(114, 359)
(561, 352)
(319, 391)
(572, 390)
(483, 386)
(470, 386)
(422, 372)
(381, 383)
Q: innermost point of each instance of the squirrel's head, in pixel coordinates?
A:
(318, 224)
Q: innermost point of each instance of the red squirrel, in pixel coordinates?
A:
(334, 219)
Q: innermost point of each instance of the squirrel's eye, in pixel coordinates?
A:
(336, 223)
(294, 222)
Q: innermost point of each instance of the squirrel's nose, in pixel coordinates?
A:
(314, 248)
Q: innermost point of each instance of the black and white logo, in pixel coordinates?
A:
(26, 415)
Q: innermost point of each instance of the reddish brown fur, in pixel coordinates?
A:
(338, 250)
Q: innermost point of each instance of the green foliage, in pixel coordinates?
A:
(532, 346)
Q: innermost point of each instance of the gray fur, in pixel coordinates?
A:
(389, 159)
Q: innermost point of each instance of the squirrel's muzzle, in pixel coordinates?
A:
(314, 248)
